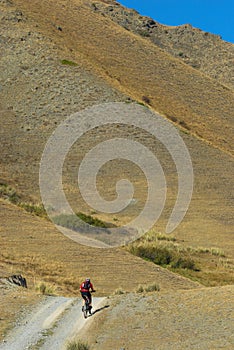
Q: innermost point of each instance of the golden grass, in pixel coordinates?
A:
(139, 68)
(37, 250)
(205, 265)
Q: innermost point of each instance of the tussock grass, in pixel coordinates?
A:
(140, 289)
(162, 255)
(162, 250)
(213, 251)
(9, 193)
(73, 222)
(77, 345)
(37, 209)
(153, 236)
(69, 63)
(119, 291)
(154, 287)
(45, 289)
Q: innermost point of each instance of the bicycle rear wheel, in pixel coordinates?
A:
(85, 309)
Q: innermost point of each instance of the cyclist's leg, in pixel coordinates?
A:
(90, 302)
(84, 296)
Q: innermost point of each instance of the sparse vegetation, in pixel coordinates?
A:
(213, 251)
(37, 209)
(146, 99)
(91, 220)
(140, 289)
(162, 250)
(77, 345)
(45, 289)
(161, 255)
(217, 252)
(152, 288)
(9, 193)
(119, 291)
(149, 288)
(144, 33)
(72, 221)
(69, 63)
(184, 124)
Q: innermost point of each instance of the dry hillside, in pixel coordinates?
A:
(58, 57)
(165, 321)
(201, 50)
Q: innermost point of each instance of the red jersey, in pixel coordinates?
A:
(86, 286)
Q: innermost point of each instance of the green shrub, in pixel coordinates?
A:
(162, 255)
(69, 63)
(169, 238)
(184, 263)
(72, 221)
(91, 220)
(37, 209)
(7, 192)
(77, 345)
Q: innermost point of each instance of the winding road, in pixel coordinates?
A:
(50, 325)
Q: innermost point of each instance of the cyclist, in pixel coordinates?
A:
(85, 292)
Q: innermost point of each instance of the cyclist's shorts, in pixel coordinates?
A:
(85, 295)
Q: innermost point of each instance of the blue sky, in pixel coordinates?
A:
(214, 16)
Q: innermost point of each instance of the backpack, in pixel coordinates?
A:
(86, 285)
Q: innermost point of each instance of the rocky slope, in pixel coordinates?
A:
(201, 50)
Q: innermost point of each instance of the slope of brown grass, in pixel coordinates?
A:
(201, 50)
(194, 319)
(172, 87)
(33, 247)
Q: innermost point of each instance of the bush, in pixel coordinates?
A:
(7, 192)
(217, 252)
(77, 345)
(45, 289)
(119, 291)
(152, 288)
(162, 255)
(184, 263)
(91, 220)
(140, 289)
(144, 33)
(69, 63)
(159, 255)
(37, 209)
(146, 99)
(72, 221)
(169, 238)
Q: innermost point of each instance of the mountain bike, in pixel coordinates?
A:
(86, 307)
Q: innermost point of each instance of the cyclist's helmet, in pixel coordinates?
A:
(87, 280)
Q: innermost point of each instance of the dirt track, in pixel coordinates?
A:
(51, 324)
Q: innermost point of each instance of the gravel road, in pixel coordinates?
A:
(49, 326)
